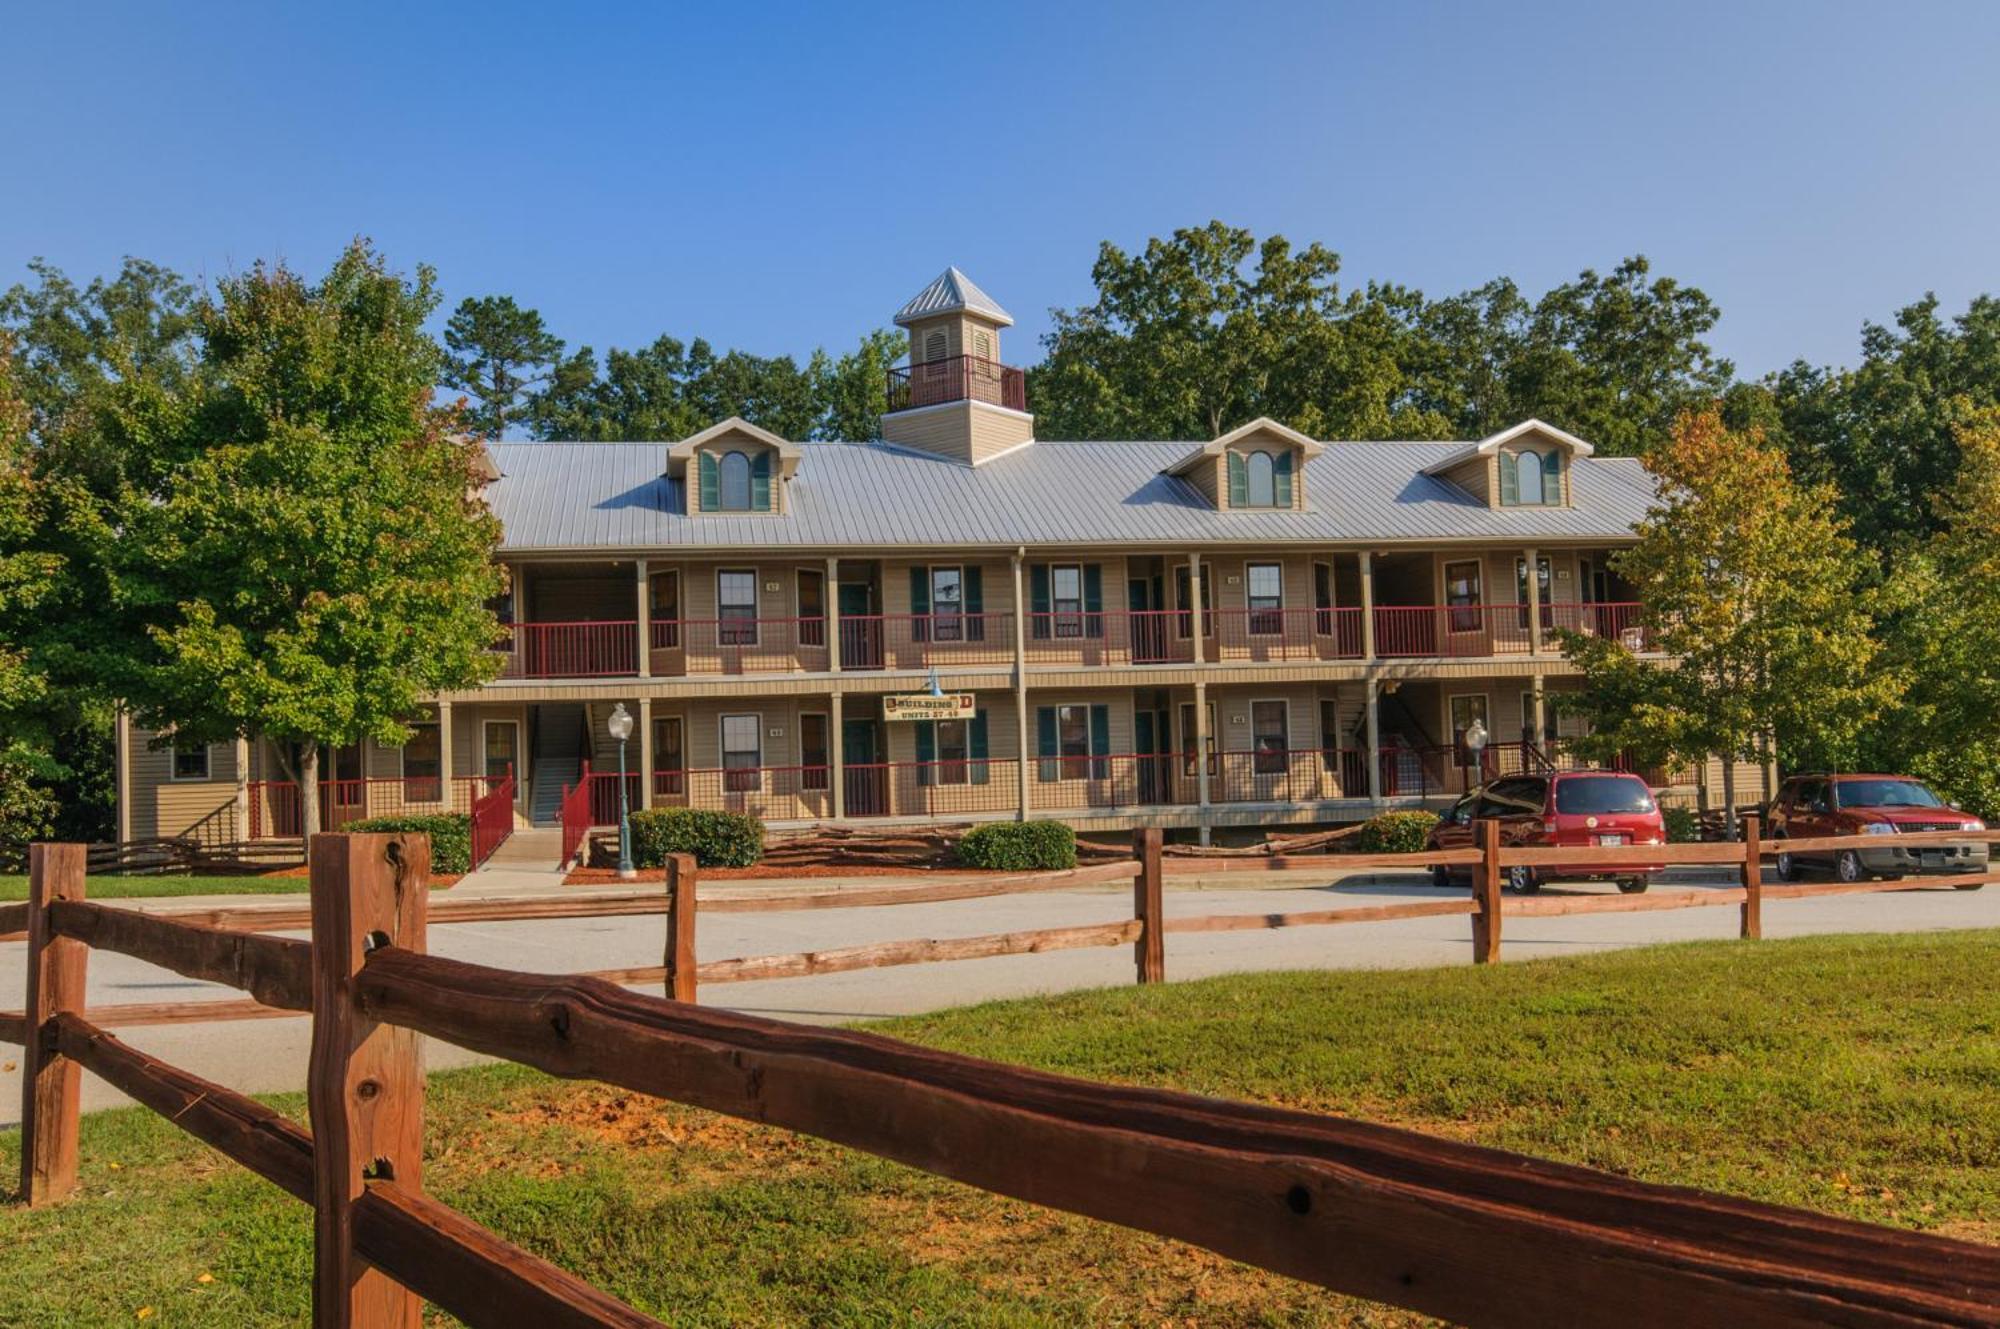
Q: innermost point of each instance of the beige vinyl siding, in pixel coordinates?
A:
(163, 806)
(1477, 476)
(964, 431)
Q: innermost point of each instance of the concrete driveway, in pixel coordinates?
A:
(260, 1056)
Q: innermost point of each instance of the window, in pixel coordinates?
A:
(423, 768)
(736, 606)
(982, 345)
(742, 752)
(934, 346)
(954, 746)
(664, 609)
(1461, 592)
(1531, 479)
(1188, 744)
(1530, 471)
(1269, 742)
(735, 483)
(1073, 742)
(191, 762)
(1260, 476)
(669, 758)
(1267, 597)
(813, 749)
(1066, 599)
(947, 604)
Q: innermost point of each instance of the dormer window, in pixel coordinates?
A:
(1263, 479)
(733, 467)
(1531, 479)
(1260, 479)
(735, 495)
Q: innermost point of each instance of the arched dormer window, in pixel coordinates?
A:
(734, 491)
(1531, 479)
(1260, 475)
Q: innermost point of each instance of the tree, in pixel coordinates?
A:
(317, 561)
(498, 353)
(671, 389)
(1191, 337)
(1755, 594)
(27, 578)
(848, 392)
(1946, 633)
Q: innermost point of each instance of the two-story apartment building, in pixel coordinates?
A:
(1260, 628)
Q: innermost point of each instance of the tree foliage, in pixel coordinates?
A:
(1756, 594)
(28, 577)
(498, 352)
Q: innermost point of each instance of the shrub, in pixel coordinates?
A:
(1395, 833)
(716, 839)
(450, 832)
(1683, 826)
(1019, 846)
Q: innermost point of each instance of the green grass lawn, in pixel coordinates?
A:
(1855, 1075)
(15, 887)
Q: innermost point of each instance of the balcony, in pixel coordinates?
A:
(957, 378)
(1430, 631)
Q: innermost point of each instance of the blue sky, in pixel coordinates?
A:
(777, 176)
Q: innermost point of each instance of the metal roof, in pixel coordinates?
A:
(616, 496)
(952, 291)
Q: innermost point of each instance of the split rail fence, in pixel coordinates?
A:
(1471, 1234)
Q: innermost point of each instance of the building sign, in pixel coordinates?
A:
(924, 706)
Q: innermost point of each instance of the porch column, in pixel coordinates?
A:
(645, 623)
(124, 744)
(1196, 622)
(1367, 607)
(1201, 755)
(645, 751)
(242, 758)
(1374, 716)
(833, 633)
(1022, 787)
(1535, 608)
(444, 755)
(836, 777)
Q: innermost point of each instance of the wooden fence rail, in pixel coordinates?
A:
(1472, 1234)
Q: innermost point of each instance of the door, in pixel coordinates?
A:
(500, 746)
(345, 799)
(865, 782)
(669, 760)
(813, 760)
(812, 607)
(1465, 610)
(1149, 628)
(663, 609)
(1152, 739)
(860, 629)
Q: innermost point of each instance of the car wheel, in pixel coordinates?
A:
(1788, 867)
(1523, 881)
(1847, 867)
(1633, 885)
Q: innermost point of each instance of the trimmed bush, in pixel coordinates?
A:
(1019, 846)
(1395, 833)
(716, 839)
(450, 832)
(1683, 826)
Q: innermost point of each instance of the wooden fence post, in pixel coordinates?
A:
(50, 1082)
(1753, 877)
(682, 876)
(1149, 950)
(1486, 885)
(365, 1082)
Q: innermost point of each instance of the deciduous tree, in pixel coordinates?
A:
(1756, 596)
(28, 577)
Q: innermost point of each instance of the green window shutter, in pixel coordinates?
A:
(1281, 479)
(1045, 743)
(760, 482)
(1093, 600)
(975, 742)
(1552, 478)
(975, 605)
(1239, 481)
(1510, 480)
(1038, 599)
(926, 751)
(920, 602)
(710, 483)
(1100, 741)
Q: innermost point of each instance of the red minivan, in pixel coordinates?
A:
(1569, 809)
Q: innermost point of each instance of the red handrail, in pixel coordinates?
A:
(493, 818)
(575, 814)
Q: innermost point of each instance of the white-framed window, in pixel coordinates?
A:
(742, 752)
(733, 487)
(1529, 468)
(1462, 593)
(1260, 479)
(954, 750)
(189, 762)
(1270, 737)
(736, 606)
(1066, 598)
(947, 603)
(1265, 584)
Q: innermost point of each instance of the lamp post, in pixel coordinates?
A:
(1475, 743)
(620, 727)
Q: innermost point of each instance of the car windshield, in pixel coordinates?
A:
(1603, 793)
(1885, 794)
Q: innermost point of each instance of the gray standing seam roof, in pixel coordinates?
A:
(616, 496)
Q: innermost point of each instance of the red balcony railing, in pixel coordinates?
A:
(1287, 634)
(739, 645)
(1470, 630)
(914, 641)
(573, 650)
(957, 378)
(1113, 780)
(931, 788)
(1622, 622)
(275, 805)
